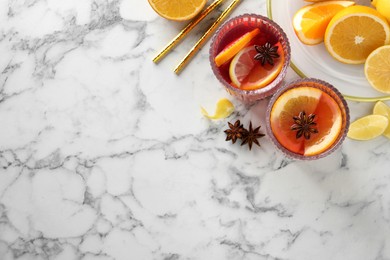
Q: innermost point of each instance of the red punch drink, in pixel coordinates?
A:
(250, 55)
(307, 119)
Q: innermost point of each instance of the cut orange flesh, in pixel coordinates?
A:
(233, 48)
(177, 10)
(354, 32)
(310, 21)
(248, 74)
(311, 100)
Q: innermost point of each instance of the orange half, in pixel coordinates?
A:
(177, 10)
(248, 74)
(354, 32)
(310, 21)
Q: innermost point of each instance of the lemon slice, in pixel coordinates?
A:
(312, 101)
(368, 127)
(381, 108)
(316, 1)
(224, 109)
(377, 69)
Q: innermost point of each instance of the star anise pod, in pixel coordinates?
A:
(266, 53)
(251, 135)
(304, 125)
(235, 131)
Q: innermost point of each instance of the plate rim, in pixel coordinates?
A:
(302, 75)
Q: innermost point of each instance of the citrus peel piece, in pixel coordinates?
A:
(224, 108)
(328, 119)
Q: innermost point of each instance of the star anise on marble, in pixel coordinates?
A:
(304, 125)
(235, 131)
(251, 135)
(266, 53)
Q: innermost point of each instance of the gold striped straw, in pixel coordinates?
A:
(185, 31)
(205, 36)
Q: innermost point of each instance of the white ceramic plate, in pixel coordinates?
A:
(315, 61)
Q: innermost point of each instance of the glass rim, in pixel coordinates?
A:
(299, 72)
(270, 88)
(342, 103)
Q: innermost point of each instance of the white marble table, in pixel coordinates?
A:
(105, 155)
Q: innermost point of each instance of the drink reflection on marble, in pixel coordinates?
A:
(233, 31)
(307, 119)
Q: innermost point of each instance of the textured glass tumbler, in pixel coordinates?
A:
(232, 30)
(324, 87)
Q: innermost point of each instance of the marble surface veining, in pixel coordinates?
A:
(105, 155)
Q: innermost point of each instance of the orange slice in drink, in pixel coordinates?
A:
(233, 48)
(310, 21)
(328, 120)
(177, 10)
(248, 74)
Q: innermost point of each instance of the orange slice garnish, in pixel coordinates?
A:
(248, 74)
(368, 127)
(233, 48)
(328, 119)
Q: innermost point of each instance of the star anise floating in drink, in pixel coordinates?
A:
(266, 53)
(304, 125)
(248, 136)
